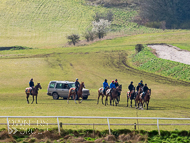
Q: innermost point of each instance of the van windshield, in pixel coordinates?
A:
(71, 85)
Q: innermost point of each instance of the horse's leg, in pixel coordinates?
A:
(33, 99)
(81, 99)
(102, 99)
(27, 95)
(106, 101)
(74, 98)
(68, 98)
(110, 100)
(36, 99)
(131, 102)
(98, 98)
(127, 101)
(113, 101)
(147, 105)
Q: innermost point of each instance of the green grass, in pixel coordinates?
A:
(91, 64)
(147, 61)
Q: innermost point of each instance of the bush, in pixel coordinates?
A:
(139, 47)
(73, 39)
(89, 35)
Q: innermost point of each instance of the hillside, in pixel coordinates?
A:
(46, 23)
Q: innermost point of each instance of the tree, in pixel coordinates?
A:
(172, 12)
(73, 39)
(101, 28)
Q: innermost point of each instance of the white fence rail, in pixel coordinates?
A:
(88, 117)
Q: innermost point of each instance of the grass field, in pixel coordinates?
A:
(91, 64)
(46, 23)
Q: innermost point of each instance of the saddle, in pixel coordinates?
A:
(28, 90)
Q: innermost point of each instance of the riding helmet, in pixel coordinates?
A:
(115, 79)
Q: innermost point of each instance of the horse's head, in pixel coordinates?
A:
(39, 86)
(82, 84)
(119, 88)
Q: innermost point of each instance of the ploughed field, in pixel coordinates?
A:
(91, 64)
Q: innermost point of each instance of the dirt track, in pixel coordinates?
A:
(172, 53)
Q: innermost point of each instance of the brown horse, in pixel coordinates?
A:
(138, 99)
(131, 96)
(101, 93)
(33, 91)
(115, 92)
(147, 98)
(72, 92)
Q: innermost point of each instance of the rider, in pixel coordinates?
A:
(105, 86)
(145, 90)
(131, 87)
(77, 84)
(31, 84)
(116, 83)
(141, 83)
(112, 86)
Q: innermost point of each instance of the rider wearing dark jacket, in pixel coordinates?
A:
(131, 86)
(116, 83)
(31, 83)
(145, 88)
(77, 84)
(139, 85)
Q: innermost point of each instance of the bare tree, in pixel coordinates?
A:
(73, 39)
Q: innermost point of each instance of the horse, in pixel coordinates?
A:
(33, 91)
(138, 99)
(101, 93)
(115, 92)
(72, 92)
(132, 96)
(147, 98)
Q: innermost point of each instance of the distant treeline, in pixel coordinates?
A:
(170, 14)
(163, 14)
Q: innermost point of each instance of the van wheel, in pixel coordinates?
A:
(55, 96)
(85, 98)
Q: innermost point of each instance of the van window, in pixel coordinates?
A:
(52, 85)
(59, 85)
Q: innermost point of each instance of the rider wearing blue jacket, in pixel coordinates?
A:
(105, 85)
(112, 86)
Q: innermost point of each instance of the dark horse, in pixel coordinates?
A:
(101, 93)
(131, 96)
(72, 92)
(115, 92)
(33, 91)
(147, 98)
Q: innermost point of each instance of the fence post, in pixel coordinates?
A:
(158, 126)
(134, 126)
(8, 124)
(109, 125)
(58, 125)
(61, 125)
